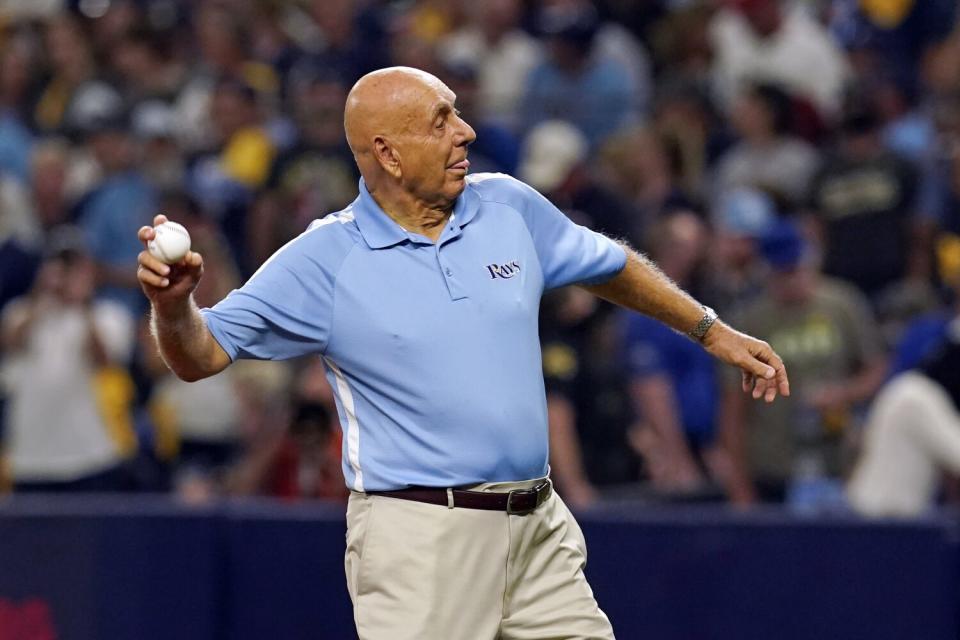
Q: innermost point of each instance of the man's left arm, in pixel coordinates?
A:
(642, 287)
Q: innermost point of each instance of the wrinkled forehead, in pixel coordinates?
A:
(419, 105)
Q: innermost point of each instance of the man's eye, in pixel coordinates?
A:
(440, 124)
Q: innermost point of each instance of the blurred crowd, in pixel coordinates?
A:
(794, 164)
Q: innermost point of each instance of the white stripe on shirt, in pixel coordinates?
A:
(353, 427)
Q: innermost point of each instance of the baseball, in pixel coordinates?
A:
(170, 244)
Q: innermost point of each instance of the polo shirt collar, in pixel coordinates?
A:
(380, 231)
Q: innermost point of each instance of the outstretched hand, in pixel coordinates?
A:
(162, 283)
(762, 369)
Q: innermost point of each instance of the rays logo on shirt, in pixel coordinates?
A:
(505, 271)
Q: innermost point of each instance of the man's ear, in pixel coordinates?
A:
(387, 155)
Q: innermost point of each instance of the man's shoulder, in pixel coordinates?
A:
(501, 188)
(324, 244)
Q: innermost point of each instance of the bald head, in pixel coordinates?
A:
(387, 102)
(406, 134)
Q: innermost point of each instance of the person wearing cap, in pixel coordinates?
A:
(741, 217)
(554, 162)
(828, 337)
(594, 93)
(63, 351)
(422, 299)
(122, 200)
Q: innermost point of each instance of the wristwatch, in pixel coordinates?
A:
(699, 331)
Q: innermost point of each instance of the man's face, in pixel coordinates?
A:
(433, 147)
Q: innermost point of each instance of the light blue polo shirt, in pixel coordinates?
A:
(431, 348)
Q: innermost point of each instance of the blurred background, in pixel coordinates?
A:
(794, 164)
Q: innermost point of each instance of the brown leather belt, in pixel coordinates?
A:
(518, 502)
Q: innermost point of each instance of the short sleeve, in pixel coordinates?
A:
(283, 311)
(568, 253)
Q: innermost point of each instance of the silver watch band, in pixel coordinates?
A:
(699, 331)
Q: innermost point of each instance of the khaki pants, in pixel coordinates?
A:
(419, 571)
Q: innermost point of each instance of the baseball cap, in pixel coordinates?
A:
(783, 246)
(153, 119)
(746, 212)
(550, 151)
(98, 107)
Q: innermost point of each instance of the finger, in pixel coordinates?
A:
(747, 381)
(771, 393)
(759, 388)
(146, 234)
(153, 279)
(148, 261)
(159, 219)
(783, 381)
(192, 259)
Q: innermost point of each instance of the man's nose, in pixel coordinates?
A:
(467, 134)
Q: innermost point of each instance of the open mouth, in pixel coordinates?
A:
(463, 165)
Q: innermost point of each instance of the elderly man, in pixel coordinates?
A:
(422, 299)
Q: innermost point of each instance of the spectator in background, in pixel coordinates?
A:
(776, 42)
(673, 382)
(72, 88)
(594, 93)
(123, 200)
(831, 343)
(141, 60)
(554, 162)
(316, 175)
(891, 38)
(737, 274)
(865, 197)
(68, 421)
(28, 212)
(912, 433)
(302, 462)
(616, 43)
(16, 63)
(225, 181)
(502, 54)
(928, 331)
(352, 36)
(767, 156)
(223, 39)
(907, 126)
(641, 165)
(587, 405)
(686, 121)
(912, 436)
(153, 123)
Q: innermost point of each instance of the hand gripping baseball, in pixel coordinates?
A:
(166, 284)
(761, 367)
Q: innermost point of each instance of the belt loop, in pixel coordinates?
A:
(449, 498)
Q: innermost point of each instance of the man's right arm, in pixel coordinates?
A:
(185, 343)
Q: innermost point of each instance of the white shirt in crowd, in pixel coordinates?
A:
(54, 429)
(801, 57)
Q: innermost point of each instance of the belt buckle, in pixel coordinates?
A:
(510, 509)
(541, 492)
